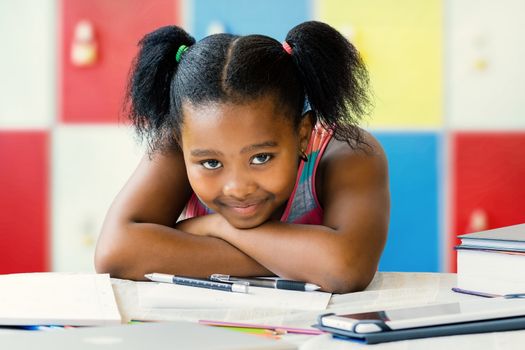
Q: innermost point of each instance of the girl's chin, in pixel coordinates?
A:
(246, 223)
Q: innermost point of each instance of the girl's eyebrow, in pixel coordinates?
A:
(205, 153)
(213, 153)
(256, 146)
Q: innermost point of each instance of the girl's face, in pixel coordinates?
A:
(242, 160)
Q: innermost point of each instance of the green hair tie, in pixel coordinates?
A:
(182, 49)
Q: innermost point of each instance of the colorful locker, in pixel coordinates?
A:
(104, 158)
(485, 72)
(98, 42)
(413, 242)
(24, 183)
(488, 182)
(272, 17)
(400, 42)
(27, 63)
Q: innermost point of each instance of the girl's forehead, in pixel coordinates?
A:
(232, 124)
(258, 113)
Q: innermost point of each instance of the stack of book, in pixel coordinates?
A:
(492, 263)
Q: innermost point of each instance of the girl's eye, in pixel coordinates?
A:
(211, 164)
(261, 159)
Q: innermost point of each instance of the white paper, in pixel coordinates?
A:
(57, 299)
(166, 295)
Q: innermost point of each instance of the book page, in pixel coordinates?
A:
(57, 299)
(166, 295)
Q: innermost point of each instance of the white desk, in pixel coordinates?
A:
(387, 290)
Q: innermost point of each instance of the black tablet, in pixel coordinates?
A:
(427, 315)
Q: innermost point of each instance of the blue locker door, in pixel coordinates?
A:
(413, 242)
(270, 17)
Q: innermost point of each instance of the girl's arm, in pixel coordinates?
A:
(138, 235)
(342, 254)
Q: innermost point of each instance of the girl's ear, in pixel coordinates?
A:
(305, 130)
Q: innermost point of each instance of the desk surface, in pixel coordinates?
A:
(387, 290)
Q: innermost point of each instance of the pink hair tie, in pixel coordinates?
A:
(287, 48)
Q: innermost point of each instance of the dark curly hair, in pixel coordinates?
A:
(324, 67)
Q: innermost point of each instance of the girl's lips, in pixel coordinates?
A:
(245, 210)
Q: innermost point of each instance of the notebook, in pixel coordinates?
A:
(167, 295)
(75, 299)
(158, 336)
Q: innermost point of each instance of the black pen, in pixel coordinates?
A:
(514, 296)
(267, 282)
(197, 282)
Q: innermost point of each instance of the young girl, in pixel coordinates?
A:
(241, 178)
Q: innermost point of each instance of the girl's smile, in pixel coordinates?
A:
(242, 159)
(244, 209)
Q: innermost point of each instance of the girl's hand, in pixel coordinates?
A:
(207, 225)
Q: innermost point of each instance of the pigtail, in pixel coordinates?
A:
(148, 91)
(334, 77)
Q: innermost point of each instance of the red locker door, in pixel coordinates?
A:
(24, 201)
(94, 93)
(488, 181)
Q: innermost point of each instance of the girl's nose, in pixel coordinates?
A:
(239, 186)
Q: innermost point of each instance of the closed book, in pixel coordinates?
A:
(55, 298)
(490, 271)
(511, 238)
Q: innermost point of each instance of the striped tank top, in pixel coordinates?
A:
(303, 206)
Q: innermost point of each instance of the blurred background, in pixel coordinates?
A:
(449, 84)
